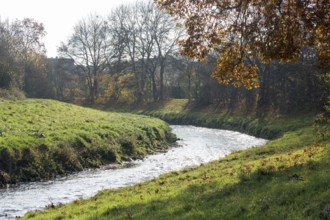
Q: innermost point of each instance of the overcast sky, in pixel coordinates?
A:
(58, 16)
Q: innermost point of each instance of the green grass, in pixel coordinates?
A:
(43, 138)
(288, 178)
(180, 111)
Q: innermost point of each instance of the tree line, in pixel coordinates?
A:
(136, 38)
(131, 56)
(22, 57)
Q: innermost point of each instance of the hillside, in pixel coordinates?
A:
(288, 178)
(40, 139)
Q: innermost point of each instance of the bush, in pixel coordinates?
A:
(12, 93)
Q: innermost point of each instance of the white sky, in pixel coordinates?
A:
(58, 16)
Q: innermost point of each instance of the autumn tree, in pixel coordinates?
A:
(7, 61)
(27, 35)
(22, 56)
(241, 31)
(27, 42)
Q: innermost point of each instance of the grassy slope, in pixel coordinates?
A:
(288, 178)
(180, 111)
(40, 138)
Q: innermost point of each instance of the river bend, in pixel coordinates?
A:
(196, 145)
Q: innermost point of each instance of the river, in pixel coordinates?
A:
(195, 146)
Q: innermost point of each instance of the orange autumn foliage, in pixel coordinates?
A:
(241, 31)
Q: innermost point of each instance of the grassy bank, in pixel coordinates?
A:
(288, 178)
(40, 139)
(271, 126)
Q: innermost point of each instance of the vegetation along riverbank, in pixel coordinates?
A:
(288, 178)
(259, 67)
(40, 139)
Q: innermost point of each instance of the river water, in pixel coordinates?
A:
(196, 146)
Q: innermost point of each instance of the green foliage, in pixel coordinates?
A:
(288, 178)
(43, 138)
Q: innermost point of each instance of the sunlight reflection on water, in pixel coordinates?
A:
(196, 146)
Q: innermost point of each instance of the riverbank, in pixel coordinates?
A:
(269, 126)
(288, 178)
(40, 139)
(195, 146)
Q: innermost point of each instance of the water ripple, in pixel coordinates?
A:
(196, 146)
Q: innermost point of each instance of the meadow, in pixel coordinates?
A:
(41, 139)
(288, 178)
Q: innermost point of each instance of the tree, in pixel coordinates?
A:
(119, 29)
(146, 35)
(124, 24)
(165, 35)
(22, 55)
(90, 47)
(146, 46)
(239, 31)
(7, 73)
(27, 35)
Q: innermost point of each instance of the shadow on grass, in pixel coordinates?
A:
(299, 192)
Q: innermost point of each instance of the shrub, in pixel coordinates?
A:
(12, 93)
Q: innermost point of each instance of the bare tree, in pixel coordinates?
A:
(144, 36)
(126, 25)
(146, 43)
(166, 34)
(157, 34)
(90, 46)
(119, 29)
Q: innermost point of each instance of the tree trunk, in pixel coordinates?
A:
(154, 86)
(162, 71)
(263, 101)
